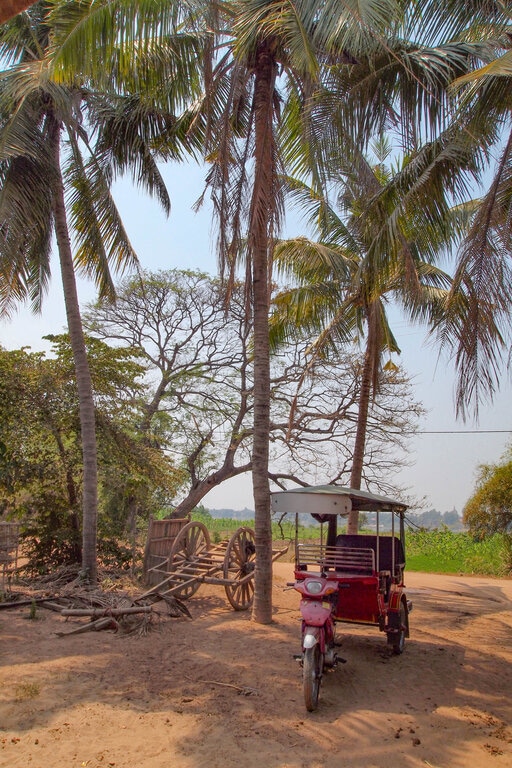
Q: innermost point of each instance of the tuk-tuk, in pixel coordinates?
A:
(353, 578)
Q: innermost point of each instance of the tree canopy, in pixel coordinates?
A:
(198, 403)
(41, 477)
(489, 510)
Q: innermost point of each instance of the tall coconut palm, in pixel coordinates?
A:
(240, 116)
(450, 162)
(55, 182)
(272, 66)
(343, 289)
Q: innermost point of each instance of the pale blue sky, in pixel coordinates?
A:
(445, 464)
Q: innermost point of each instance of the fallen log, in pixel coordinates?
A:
(106, 622)
(99, 612)
(51, 606)
(19, 603)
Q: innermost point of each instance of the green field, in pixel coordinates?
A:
(431, 551)
(443, 551)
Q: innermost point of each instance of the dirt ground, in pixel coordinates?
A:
(220, 691)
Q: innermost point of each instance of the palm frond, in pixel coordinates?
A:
(128, 129)
(310, 262)
(102, 242)
(352, 27)
(452, 20)
(500, 67)
(469, 328)
(25, 232)
(130, 34)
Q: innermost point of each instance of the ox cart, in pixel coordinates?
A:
(180, 556)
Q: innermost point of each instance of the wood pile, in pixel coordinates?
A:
(65, 593)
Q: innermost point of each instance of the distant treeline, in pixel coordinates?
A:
(430, 520)
(434, 519)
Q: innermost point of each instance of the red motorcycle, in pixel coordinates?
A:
(317, 608)
(351, 578)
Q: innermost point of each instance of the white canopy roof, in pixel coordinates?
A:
(332, 500)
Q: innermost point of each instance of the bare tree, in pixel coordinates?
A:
(199, 407)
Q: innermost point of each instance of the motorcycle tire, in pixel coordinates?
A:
(399, 644)
(312, 664)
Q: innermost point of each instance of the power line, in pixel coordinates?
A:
(464, 432)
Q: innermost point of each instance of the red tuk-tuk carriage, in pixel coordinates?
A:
(354, 578)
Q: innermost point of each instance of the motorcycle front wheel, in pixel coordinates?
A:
(311, 676)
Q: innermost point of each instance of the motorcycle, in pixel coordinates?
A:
(346, 578)
(317, 608)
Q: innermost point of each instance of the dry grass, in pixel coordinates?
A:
(26, 691)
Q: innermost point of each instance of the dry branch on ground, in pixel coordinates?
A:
(125, 612)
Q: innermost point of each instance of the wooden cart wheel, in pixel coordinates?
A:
(190, 545)
(239, 569)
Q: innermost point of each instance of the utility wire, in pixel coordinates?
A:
(464, 432)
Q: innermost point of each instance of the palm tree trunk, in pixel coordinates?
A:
(262, 205)
(83, 374)
(11, 7)
(360, 441)
(73, 500)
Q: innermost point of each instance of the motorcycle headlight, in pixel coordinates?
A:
(313, 587)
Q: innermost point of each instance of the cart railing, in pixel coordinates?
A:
(9, 542)
(161, 536)
(344, 559)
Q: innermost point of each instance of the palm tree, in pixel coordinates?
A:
(53, 181)
(461, 143)
(343, 289)
(478, 329)
(240, 116)
(257, 118)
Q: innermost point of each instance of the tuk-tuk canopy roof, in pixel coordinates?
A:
(332, 500)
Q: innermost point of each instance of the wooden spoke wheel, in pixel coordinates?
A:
(190, 547)
(239, 564)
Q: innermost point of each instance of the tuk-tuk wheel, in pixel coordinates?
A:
(399, 641)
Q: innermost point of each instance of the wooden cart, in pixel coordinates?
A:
(9, 542)
(193, 559)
